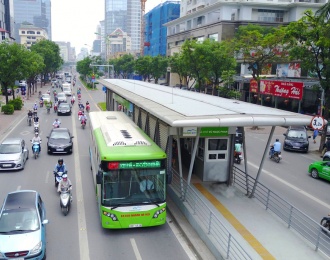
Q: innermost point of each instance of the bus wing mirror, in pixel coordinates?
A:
(99, 177)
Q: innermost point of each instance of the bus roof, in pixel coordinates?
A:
(119, 138)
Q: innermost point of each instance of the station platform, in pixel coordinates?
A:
(260, 233)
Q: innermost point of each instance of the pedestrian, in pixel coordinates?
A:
(315, 134)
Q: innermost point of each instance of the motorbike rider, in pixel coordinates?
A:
(238, 148)
(35, 106)
(82, 118)
(57, 122)
(36, 139)
(36, 119)
(65, 183)
(73, 98)
(30, 114)
(276, 147)
(81, 106)
(60, 166)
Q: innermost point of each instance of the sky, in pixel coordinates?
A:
(75, 21)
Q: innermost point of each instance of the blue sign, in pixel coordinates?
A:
(104, 89)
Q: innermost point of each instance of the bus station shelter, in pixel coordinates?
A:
(203, 126)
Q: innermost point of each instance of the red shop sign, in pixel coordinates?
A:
(253, 86)
(285, 89)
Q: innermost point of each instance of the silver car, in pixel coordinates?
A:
(13, 154)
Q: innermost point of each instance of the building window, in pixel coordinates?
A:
(200, 20)
(30, 32)
(200, 39)
(38, 32)
(265, 15)
(23, 32)
(214, 37)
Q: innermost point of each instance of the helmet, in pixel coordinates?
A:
(60, 160)
(277, 140)
(64, 176)
(56, 119)
(36, 133)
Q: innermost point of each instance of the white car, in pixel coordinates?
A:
(46, 97)
(13, 154)
(22, 83)
(61, 97)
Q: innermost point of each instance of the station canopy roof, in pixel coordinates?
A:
(182, 108)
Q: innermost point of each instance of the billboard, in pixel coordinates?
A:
(285, 89)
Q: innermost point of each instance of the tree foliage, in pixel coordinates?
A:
(143, 67)
(50, 52)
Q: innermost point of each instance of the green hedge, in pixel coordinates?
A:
(7, 109)
(17, 103)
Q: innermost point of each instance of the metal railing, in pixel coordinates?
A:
(297, 220)
(221, 238)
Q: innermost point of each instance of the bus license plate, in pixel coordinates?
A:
(135, 225)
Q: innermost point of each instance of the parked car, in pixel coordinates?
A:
(60, 141)
(320, 169)
(61, 97)
(64, 109)
(296, 139)
(23, 226)
(13, 154)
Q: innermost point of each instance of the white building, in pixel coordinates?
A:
(30, 34)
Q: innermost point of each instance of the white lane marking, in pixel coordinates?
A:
(293, 187)
(47, 176)
(135, 249)
(25, 133)
(83, 239)
(19, 187)
(13, 127)
(183, 242)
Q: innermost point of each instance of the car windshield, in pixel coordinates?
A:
(19, 220)
(10, 148)
(297, 134)
(63, 105)
(45, 96)
(61, 95)
(60, 135)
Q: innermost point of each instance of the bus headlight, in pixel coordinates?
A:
(110, 215)
(158, 212)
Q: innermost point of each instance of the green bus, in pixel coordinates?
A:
(128, 171)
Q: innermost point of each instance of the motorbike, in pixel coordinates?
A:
(65, 200)
(325, 222)
(57, 177)
(237, 157)
(48, 109)
(79, 113)
(88, 108)
(72, 101)
(55, 108)
(83, 124)
(276, 156)
(29, 120)
(56, 126)
(36, 127)
(41, 103)
(36, 149)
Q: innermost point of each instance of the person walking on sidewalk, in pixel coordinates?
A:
(315, 134)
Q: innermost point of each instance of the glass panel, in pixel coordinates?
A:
(217, 144)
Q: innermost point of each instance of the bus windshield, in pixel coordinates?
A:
(130, 187)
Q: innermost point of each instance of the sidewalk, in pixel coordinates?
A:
(9, 121)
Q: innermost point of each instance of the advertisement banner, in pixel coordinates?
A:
(285, 89)
(253, 86)
(291, 70)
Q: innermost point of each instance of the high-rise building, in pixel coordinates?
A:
(8, 24)
(155, 31)
(36, 12)
(126, 15)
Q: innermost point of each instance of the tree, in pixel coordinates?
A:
(309, 41)
(35, 67)
(13, 65)
(84, 68)
(159, 66)
(50, 52)
(257, 46)
(125, 65)
(196, 55)
(143, 67)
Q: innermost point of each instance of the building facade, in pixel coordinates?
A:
(118, 42)
(8, 24)
(155, 31)
(126, 15)
(68, 53)
(36, 12)
(30, 34)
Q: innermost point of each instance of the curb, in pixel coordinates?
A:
(194, 241)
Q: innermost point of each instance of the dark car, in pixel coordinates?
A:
(59, 141)
(296, 139)
(64, 109)
(23, 226)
